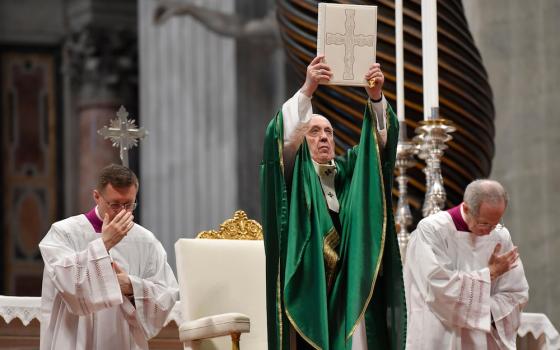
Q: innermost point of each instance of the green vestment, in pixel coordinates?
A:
(320, 281)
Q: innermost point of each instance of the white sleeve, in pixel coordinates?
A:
(457, 298)
(380, 115)
(510, 293)
(296, 111)
(85, 279)
(154, 295)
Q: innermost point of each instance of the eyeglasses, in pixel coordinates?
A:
(118, 206)
(499, 226)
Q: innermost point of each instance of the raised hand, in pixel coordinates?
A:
(124, 280)
(375, 75)
(115, 230)
(317, 72)
(502, 263)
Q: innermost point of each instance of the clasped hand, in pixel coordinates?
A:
(502, 263)
(124, 280)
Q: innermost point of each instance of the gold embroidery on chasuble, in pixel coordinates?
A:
(330, 256)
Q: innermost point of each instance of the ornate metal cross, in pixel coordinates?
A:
(349, 40)
(124, 133)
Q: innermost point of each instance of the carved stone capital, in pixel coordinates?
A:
(101, 61)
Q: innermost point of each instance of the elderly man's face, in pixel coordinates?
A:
(320, 139)
(488, 217)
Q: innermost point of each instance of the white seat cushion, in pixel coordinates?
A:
(214, 326)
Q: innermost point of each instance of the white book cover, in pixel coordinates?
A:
(347, 36)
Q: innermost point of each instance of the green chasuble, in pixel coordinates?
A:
(320, 281)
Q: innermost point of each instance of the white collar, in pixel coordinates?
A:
(463, 215)
(97, 212)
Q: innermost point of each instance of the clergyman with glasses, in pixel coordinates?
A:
(464, 281)
(106, 282)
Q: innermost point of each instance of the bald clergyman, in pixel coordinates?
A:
(465, 284)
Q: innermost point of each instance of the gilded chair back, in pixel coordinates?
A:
(238, 227)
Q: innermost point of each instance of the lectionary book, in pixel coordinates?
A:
(347, 36)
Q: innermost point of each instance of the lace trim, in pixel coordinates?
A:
(23, 308)
(28, 308)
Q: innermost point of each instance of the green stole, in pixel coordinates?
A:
(321, 281)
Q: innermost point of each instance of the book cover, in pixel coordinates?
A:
(347, 36)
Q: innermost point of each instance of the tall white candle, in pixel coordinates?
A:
(399, 54)
(429, 57)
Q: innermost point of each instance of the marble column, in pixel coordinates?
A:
(100, 73)
(102, 70)
(187, 98)
(95, 152)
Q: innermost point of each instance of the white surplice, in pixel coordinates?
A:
(450, 299)
(81, 303)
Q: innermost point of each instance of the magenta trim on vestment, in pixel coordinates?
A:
(458, 220)
(94, 220)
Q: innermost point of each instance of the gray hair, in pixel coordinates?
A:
(484, 190)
